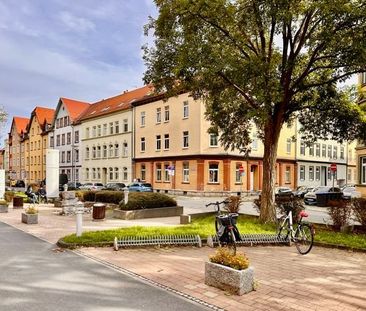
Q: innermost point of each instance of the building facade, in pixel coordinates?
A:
(16, 148)
(107, 139)
(174, 151)
(65, 136)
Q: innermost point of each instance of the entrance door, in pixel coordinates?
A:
(323, 177)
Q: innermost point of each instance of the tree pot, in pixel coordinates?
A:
(99, 211)
(30, 218)
(3, 208)
(18, 202)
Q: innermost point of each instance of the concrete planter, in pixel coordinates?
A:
(3, 208)
(238, 282)
(148, 213)
(30, 218)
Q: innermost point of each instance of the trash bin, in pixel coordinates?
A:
(17, 202)
(98, 211)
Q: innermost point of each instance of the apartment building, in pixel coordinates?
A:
(107, 138)
(174, 151)
(36, 142)
(16, 148)
(65, 136)
(361, 147)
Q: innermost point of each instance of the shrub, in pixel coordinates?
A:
(3, 202)
(89, 196)
(234, 204)
(359, 209)
(9, 195)
(225, 258)
(141, 200)
(31, 210)
(340, 212)
(109, 196)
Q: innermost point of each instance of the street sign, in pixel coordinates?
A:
(241, 169)
(333, 167)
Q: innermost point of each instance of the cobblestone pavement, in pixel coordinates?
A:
(325, 279)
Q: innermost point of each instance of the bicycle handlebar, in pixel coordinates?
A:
(217, 203)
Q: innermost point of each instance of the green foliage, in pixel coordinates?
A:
(141, 200)
(114, 197)
(3, 202)
(31, 210)
(359, 210)
(225, 258)
(9, 195)
(89, 196)
(234, 204)
(340, 213)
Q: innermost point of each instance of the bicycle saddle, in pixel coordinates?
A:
(304, 214)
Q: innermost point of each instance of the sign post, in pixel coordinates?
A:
(333, 168)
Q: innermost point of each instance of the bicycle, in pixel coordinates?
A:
(225, 226)
(303, 233)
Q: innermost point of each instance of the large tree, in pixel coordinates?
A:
(262, 62)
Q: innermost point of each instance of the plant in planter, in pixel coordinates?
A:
(3, 206)
(30, 215)
(229, 272)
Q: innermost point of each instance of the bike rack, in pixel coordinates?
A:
(253, 239)
(157, 240)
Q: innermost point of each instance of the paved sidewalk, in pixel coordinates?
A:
(325, 279)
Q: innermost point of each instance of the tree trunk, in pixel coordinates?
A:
(268, 209)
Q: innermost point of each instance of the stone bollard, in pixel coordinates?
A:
(185, 219)
(79, 218)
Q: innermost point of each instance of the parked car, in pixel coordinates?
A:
(311, 197)
(349, 193)
(19, 184)
(92, 186)
(140, 187)
(118, 186)
(283, 192)
(302, 190)
(73, 185)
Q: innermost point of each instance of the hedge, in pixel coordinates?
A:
(104, 196)
(141, 200)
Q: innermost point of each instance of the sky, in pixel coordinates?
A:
(83, 49)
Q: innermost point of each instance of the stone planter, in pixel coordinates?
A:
(148, 213)
(3, 208)
(30, 218)
(238, 282)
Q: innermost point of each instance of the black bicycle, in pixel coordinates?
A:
(225, 225)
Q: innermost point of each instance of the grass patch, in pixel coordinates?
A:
(204, 226)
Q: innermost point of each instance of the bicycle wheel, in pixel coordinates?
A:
(282, 227)
(231, 243)
(304, 238)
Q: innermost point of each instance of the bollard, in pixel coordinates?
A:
(125, 195)
(79, 219)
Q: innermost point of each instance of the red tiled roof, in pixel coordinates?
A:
(43, 114)
(20, 124)
(117, 103)
(74, 107)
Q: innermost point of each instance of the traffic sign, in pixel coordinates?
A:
(333, 167)
(241, 169)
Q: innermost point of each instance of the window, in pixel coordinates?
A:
(125, 174)
(317, 150)
(317, 173)
(94, 131)
(158, 115)
(110, 173)
(166, 141)
(52, 142)
(213, 173)
(302, 147)
(237, 173)
(111, 128)
(116, 150)
(213, 140)
(349, 174)
(63, 157)
(116, 173)
(166, 114)
(166, 173)
(363, 170)
(68, 138)
(87, 174)
(158, 172)
(76, 138)
(342, 153)
(87, 132)
(311, 150)
(329, 151)
(105, 128)
(311, 172)
(185, 139)
(105, 153)
(116, 127)
(288, 145)
(99, 152)
(94, 152)
(76, 155)
(143, 172)
(185, 172)
(87, 153)
(63, 139)
(61, 124)
(288, 175)
(125, 149)
(77, 174)
(158, 142)
(66, 121)
(185, 110)
(302, 172)
(110, 150)
(335, 152)
(142, 118)
(255, 142)
(143, 144)
(324, 150)
(68, 156)
(57, 123)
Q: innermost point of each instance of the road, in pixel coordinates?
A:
(35, 277)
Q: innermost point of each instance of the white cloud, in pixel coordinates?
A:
(75, 23)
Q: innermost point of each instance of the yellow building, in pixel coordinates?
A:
(361, 147)
(36, 142)
(173, 150)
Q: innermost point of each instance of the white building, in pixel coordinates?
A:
(65, 136)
